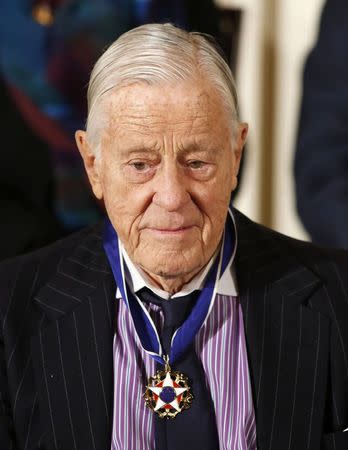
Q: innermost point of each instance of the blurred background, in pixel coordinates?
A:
(47, 48)
(275, 39)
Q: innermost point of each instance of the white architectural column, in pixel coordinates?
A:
(294, 26)
(297, 30)
(249, 63)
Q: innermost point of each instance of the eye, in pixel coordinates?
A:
(139, 170)
(196, 164)
(140, 166)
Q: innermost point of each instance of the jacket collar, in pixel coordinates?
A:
(280, 297)
(73, 352)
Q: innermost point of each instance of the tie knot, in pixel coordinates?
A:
(175, 310)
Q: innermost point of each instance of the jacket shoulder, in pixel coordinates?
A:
(308, 252)
(28, 272)
(330, 265)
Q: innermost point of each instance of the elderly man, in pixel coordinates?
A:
(177, 323)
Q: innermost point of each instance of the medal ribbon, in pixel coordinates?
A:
(144, 326)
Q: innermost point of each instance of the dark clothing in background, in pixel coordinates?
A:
(26, 185)
(321, 165)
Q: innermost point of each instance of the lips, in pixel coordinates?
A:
(173, 222)
(170, 229)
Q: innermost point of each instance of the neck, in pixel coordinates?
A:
(171, 284)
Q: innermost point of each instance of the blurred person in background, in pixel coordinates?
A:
(321, 162)
(47, 48)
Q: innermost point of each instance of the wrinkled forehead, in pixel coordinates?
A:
(187, 106)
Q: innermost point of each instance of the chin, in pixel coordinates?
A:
(173, 267)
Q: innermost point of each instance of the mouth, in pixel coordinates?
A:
(170, 231)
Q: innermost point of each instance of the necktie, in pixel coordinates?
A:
(194, 428)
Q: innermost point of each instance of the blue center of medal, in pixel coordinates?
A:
(167, 395)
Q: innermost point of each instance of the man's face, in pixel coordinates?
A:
(167, 168)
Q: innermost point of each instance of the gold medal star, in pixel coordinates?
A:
(167, 393)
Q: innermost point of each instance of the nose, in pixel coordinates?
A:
(171, 192)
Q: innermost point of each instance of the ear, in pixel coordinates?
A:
(91, 163)
(239, 142)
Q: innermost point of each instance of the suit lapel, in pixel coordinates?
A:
(287, 341)
(73, 352)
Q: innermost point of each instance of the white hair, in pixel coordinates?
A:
(153, 54)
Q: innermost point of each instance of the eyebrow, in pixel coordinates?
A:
(196, 148)
(138, 149)
(183, 150)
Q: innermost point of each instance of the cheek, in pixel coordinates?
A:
(125, 205)
(214, 202)
(115, 189)
(216, 195)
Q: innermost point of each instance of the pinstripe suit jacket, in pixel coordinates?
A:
(57, 319)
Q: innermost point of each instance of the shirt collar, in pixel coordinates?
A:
(137, 279)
